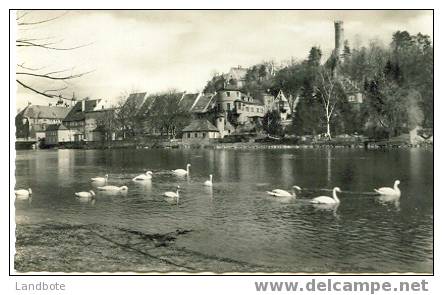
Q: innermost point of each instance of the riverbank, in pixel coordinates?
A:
(238, 145)
(97, 248)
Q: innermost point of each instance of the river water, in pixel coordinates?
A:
(233, 226)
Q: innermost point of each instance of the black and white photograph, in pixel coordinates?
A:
(222, 141)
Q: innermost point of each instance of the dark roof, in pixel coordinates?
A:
(54, 127)
(138, 99)
(150, 99)
(200, 125)
(76, 113)
(188, 100)
(202, 104)
(47, 112)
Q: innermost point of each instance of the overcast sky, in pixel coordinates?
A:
(158, 50)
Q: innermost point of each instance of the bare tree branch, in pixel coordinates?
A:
(19, 17)
(44, 93)
(42, 21)
(48, 75)
(21, 43)
(28, 68)
(49, 43)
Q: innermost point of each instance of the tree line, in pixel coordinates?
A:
(395, 80)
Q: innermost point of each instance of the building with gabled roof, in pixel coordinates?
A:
(80, 119)
(188, 100)
(203, 103)
(352, 91)
(57, 133)
(236, 75)
(200, 130)
(136, 102)
(32, 121)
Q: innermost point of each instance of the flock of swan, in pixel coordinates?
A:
(393, 192)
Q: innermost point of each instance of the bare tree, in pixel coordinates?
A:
(128, 115)
(58, 77)
(166, 114)
(108, 124)
(326, 87)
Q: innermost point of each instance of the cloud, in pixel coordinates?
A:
(157, 50)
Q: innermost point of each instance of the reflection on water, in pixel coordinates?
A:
(235, 223)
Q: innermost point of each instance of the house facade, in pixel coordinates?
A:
(82, 119)
(241, 105)
(58, 133)
(200, 130)
(32, 121)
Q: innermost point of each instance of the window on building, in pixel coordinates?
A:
(195, 135)
(204, 135)
(247, 109)
(228, 93)
(228, 106)
(189, 135)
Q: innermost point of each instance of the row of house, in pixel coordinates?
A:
(81, 122)
(236, 112)
(58, 124)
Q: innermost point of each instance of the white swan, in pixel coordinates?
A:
(282, 193)
(23, 193)
(328, 200)
(182, 172)
(171, 196)
(85, 195)
(389, 191)
(113, 188)
(146, 176)
(209, 182)
(100, 179)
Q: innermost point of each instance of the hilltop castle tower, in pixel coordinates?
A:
(339, 39)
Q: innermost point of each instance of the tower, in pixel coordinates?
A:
(339, 39)
(220, 123)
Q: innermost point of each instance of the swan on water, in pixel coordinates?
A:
(172, 195)
(23, 193)
(209, 182)
(100, 179)
(328, 200)
(182, 172)
(282, 193)
(85, 195)
(113, 188)
(146, 176)
(389, 191)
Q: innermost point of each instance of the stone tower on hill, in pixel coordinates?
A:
(339, 39)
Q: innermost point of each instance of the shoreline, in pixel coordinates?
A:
(238, 146)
